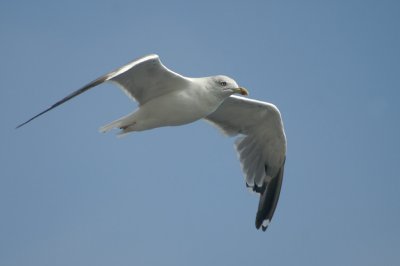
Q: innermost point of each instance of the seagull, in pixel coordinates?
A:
(166, 98)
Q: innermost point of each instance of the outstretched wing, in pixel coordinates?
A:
(147, 78)
(142, 79)
(261, 148)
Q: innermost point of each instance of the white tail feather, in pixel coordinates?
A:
(108, 127)
(125, 123)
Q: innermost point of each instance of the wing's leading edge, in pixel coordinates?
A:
(142, 79)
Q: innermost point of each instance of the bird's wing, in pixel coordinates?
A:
(143, 79)
(261, 147)
(147, 78)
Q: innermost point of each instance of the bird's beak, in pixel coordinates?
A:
(241, 91)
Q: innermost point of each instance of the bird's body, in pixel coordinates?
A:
(168, 99)
(181, 106)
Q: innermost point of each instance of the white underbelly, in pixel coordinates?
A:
(172, 110)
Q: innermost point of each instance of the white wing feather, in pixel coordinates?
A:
(147, 78)
(261, 147)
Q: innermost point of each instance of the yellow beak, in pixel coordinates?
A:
(241, 91)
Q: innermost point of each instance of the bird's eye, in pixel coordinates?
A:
(222, 83)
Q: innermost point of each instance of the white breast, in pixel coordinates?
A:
(176, 108)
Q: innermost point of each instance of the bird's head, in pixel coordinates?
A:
(227, 86)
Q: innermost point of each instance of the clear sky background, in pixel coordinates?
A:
(176, 196)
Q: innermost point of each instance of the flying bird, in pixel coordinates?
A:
(166, 98)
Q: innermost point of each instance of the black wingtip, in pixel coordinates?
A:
(261, 222)
(69, 97)
(26, 122)
(20, 125)
(36, 116)
(264, 228)
(268, 200)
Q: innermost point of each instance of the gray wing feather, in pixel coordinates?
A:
(261, 147)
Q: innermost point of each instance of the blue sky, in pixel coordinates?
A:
(176, 196)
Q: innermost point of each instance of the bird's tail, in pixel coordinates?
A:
(108, 127)
(123, 123)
